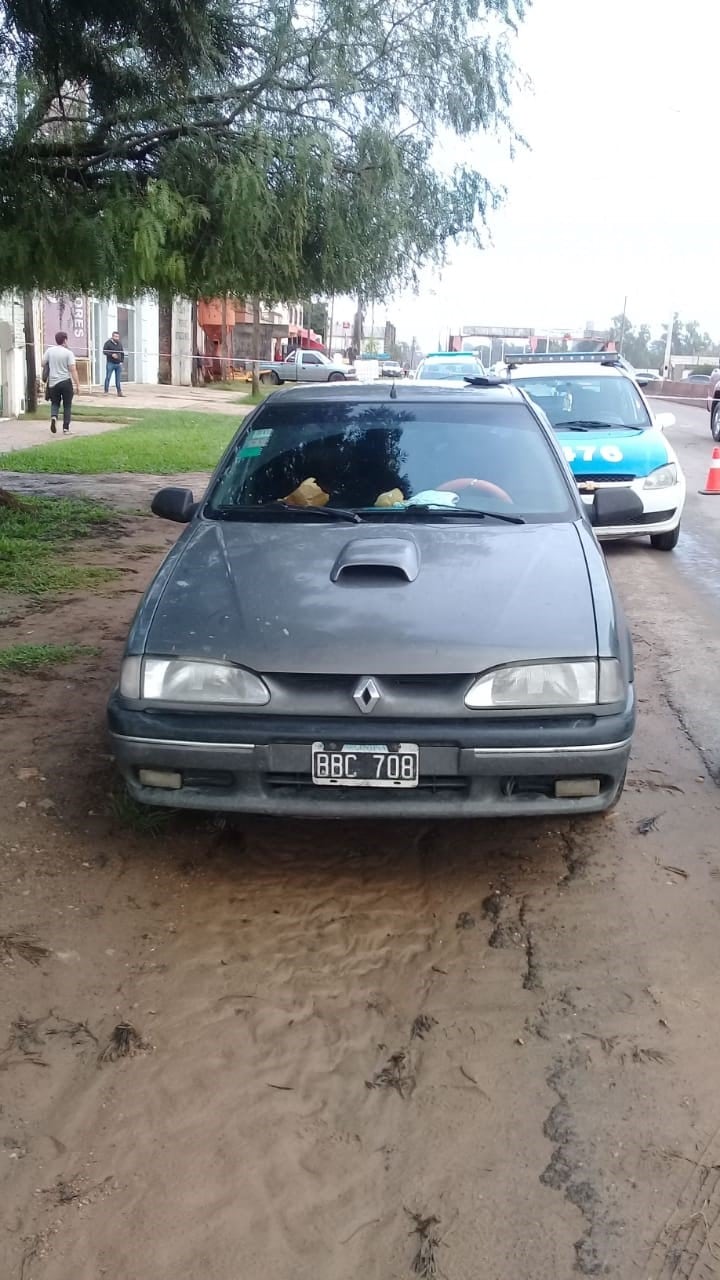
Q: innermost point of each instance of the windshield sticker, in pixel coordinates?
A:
(254, 443)
(608, 453)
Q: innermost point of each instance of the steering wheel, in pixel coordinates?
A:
(469, 482)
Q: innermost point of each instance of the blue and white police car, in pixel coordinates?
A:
(449, 368)
(610, 436)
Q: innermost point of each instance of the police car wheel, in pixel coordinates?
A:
(665, 541)
(715, 421)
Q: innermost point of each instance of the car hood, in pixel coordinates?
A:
(613, 451)
(341, 599)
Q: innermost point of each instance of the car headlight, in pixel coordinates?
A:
(662, 477)
(548, 684)
(190, 680)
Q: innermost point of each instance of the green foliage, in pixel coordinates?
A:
(645, 352)
(138, 818)
(26, 658)
(165, 442)
(221, 146)
(35, 536)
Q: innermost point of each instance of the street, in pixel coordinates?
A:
(476, 1051)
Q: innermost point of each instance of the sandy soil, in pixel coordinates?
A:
(472, 1051)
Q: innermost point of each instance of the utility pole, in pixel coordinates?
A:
(31, 400)
(256, 339)
(668, 347)
(224, 337)
(330, 342)
(358, 329)
(195, 362)
(622, 326)
(165, 338)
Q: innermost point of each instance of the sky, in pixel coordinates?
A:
(619, 192)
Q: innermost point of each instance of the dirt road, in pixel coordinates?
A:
(473, 1051)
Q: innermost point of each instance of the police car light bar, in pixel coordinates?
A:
(565, 357)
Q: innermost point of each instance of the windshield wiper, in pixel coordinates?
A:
(275, 509)
(466, 512)
(590, 424)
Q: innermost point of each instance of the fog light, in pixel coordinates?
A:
(576, 788)
(165, 779)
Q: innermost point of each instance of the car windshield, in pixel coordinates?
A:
(601, 401)
(379, 458)
(450, 369)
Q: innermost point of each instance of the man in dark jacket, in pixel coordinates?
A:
(114, 357)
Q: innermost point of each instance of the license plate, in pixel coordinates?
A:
(365, 766)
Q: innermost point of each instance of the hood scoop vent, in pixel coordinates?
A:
(377, 562)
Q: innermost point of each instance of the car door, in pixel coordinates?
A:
(313, 369)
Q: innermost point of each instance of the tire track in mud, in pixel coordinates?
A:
(281, 968)
(687, 1246)
(280, 980)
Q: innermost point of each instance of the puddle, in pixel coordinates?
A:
(699, 558)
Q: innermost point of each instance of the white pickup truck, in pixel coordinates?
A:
(307, 366)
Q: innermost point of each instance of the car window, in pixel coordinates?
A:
(614, 402)
(360, 454)
(308, 358)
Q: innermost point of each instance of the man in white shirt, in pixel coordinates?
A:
(62, 381)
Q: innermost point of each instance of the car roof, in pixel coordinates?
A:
(449, 355)
(364, 392)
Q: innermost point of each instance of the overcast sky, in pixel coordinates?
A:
(620, 190)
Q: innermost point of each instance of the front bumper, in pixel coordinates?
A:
(253, 764)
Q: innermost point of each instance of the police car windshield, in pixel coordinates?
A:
(587, 401)
(446, 369)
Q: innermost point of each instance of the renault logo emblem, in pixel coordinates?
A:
(367, 695)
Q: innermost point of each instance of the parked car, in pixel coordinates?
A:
(611, 438)
(713, 404)
(697, 377)
(309, 366)
(390, 601)
(644, 377)
(391, 369)
(450, 367)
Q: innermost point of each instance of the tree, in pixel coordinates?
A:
(645, 352)
(319, 319)
(636, 343)
(213, 147)
(688, 340)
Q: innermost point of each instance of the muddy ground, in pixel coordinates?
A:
(471, 1051)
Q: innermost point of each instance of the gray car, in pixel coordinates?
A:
(390, 601)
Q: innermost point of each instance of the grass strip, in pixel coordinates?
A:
(27, 658)
(35, 536)
(164, 442)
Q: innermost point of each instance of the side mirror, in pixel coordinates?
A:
(663, 420)
(613, 506)
(174, 504)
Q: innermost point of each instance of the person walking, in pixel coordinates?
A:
(114, 359)
(62, 381)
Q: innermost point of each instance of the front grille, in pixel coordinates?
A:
(299, 682)
(433, 784)
(600, 477)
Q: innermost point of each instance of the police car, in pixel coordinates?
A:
(610, 437)
(449, 368)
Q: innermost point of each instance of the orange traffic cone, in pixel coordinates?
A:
(712, 484)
